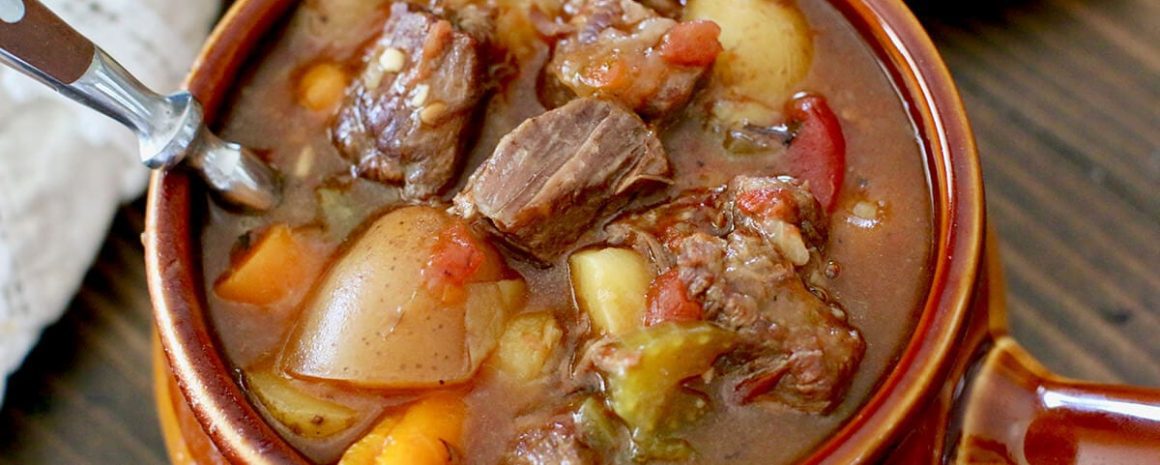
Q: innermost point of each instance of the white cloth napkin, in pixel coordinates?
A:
(64, 169)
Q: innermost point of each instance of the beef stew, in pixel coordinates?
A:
(580, 266)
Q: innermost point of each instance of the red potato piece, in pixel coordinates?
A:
(372, 323)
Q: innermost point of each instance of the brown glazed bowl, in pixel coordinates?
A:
(961, 392)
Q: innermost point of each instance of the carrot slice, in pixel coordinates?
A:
(279, 263)
(430, 432)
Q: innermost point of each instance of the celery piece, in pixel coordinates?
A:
(647, 394)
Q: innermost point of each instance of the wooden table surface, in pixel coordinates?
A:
(1065, 100)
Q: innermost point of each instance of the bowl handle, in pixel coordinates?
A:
(1007, 408)
(1015, 411)
(1001, 406)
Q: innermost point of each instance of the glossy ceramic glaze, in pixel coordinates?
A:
(962, 391)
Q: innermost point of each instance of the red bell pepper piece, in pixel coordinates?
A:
(817, 152)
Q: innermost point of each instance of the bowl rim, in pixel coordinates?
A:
(173, 272)
(920, 76)
(927, 88)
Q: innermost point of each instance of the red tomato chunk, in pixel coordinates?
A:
(455, 260)
(817, 153)
(692, 43)
(668, 301)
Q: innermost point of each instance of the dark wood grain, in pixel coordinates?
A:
(1065, 99)
(1064, 96)
(84, 395)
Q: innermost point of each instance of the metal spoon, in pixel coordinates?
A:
(169, 129)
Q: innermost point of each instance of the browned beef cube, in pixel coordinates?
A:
(405, 117)
(558, 174)
(555, 443)
(745, 253)
(624, 51)
(666, 8)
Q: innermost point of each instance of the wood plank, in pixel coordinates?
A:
(1064, 99)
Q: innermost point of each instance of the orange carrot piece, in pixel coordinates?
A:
(430, 433)
(365, 450)
(279, 263)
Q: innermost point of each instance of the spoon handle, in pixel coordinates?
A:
(46, 45)
(38, 43)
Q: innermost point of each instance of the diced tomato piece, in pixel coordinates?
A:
(610, 76)
(769, 203)
(669, 301)
(692, 43)
(817, 153)
(455, 260)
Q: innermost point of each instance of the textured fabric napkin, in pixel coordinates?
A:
(64, 169)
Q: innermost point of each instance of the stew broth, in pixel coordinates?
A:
(878, 263)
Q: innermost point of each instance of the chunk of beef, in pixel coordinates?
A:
(625, 51)
(556, 443)
(558, 174)
(405, 117)
(744, 253)
(666, 8)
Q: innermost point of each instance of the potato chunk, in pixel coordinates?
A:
(301, 413)
(768, 50)
(527, 345)
(374, 320)
(486, 310)
(611, 285)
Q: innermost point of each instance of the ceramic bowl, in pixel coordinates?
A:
(962, 391)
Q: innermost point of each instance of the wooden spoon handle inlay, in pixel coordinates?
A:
(34, 35)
